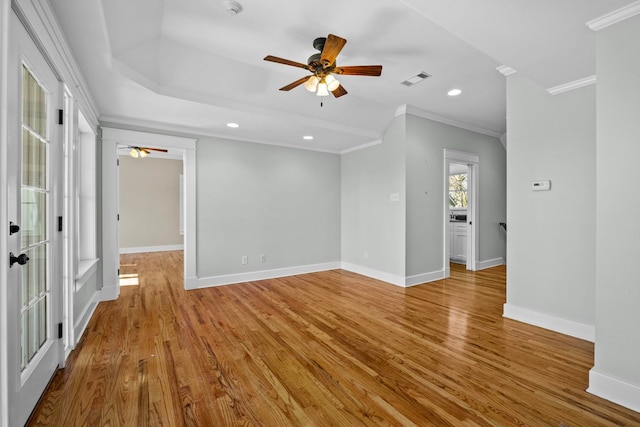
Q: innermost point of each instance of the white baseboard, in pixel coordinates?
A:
(614, 390)
(419, 279)
(395, 279)
(151, 249)
(191, 283)
(482, 265)
(207, 282)
(375, 274)
(109, 293)
(553, 323)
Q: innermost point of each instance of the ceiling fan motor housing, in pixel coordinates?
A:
(314, 59)
(318, 44)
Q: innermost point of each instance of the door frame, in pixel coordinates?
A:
(5, 11)
(473, 165)
(25, 387)
(112, 139)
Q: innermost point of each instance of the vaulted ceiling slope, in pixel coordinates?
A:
(188, 65)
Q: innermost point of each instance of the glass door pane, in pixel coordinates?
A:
(34, 212)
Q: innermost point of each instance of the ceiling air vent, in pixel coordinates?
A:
(416, 79)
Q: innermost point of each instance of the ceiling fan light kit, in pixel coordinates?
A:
(137, 152)
(323, 67)
(141, 152)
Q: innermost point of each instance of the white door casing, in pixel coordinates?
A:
(112, 139)
(473, 165)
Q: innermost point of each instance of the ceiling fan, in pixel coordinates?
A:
(143, 151)
(323, 67)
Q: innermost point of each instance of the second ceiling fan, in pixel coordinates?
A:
(323, 67)
(140, 152)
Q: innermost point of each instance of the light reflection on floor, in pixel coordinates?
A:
(129, 280)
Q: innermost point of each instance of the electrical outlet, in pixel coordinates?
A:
(365, 255)
(263, 258)
(245, 260)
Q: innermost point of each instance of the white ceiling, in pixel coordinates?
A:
(187, 65)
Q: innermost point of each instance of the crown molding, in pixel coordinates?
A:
(505, 71)
(362, 146)
(576, 84)
(614, 17)
(408, 109)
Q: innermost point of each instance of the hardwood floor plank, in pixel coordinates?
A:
(328, 348)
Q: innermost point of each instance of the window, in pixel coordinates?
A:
(458, 190)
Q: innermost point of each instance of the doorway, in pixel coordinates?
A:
(460, 209)
(112, 141)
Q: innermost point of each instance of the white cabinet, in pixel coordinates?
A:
(458, 241)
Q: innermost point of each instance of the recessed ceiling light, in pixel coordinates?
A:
(307, 137)
(233, 125)
(454, 92)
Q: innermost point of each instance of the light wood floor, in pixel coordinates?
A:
(330, 348)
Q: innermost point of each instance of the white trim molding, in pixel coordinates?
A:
(109, 293)
(614, 17)
(547, 321)
(614, 390)
(383, 276)
(394, 279)
(505, 71)
(111, 139)
(362, 146)
(483, 265)
(423, 278)
(576, 84)
(414, 111)
(251, 276)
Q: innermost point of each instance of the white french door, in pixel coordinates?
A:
(34, 276)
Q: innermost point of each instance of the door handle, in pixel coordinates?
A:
(13, 228)
(21, 259)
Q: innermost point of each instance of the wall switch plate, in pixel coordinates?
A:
(394, 197)
(245, 260)
(263, 258)
(365, 255)
(541, 185)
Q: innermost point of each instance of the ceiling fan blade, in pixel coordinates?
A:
(359, 70)
(339, 91)
(332, 48)
(295, 84)
(162, 150)
(285, 62)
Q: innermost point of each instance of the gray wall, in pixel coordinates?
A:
(426, 140)
(149, 202)
(405, 238)
(551, 238)
(255, 199)
(617, 347)
(370, 221)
